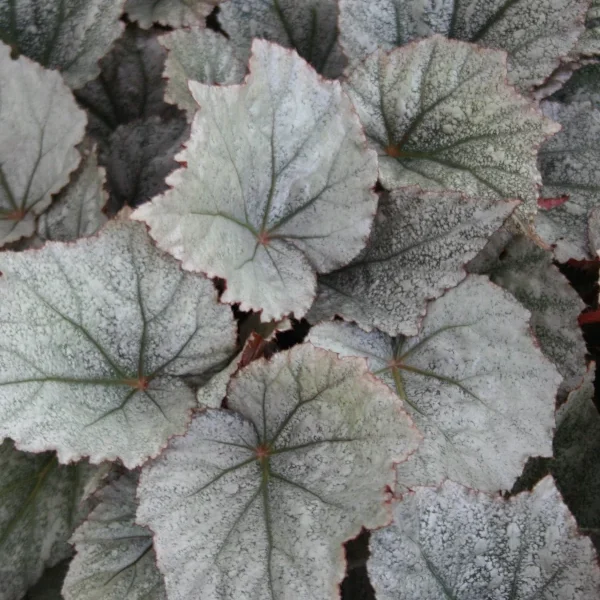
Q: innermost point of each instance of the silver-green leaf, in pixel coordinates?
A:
(95, 337)
(277, 187)
(441, 115)
(257, 503)
(453, 542)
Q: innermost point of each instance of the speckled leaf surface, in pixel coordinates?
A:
(41, 503)
(115, 559)
(169, 13)
(569, 165)
(418, 248)
(77, 210)
(309, 26)
(95, 336)
(40, 125)
(474, 382)
(198, 55)
(441, 116)
(257, 503)
(527, 272)
(68, 35)
(576, 449)
(456, 543)
(277, 185)
(536, 34)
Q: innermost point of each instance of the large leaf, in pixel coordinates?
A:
(309, 26)
(94, 338)
(198, 55)
(536, 34)
(576, 450)
(441, 116)
(569, 166)
(277, 185)
(115, 559)
(474, 382)
(257, 504)
(77, 210)
(417, 250)
(456, 543)
(69, 35)
(40, 125)
(171, 13)
(41, 503)
(527, 272)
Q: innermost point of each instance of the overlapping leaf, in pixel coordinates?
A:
(40, 125)
(198, 55)
(536, 34)
(257, 503)
(69, 35)
(277, 185)
(474, 382)
(115, 559)
(589, 41)
(170, 13)
(569, 166)
(310, 27)
(41, 503)
(441, 116)
(95, 338)
(417, 250)
(77, 210)
(456, 543)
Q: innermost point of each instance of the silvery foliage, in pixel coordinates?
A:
(383, 168)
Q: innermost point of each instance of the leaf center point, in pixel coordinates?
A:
(263, 452)
(142, 383)
(263, 238)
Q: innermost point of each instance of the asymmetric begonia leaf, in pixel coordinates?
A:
(115, 559)
(41, 503)
(527, 272)
(569, 165)
(94, 338)
(536, 34)
(418, 248)
(278, 185)
(576, 449)
(130, 85)
(68, 35)
(170, 13)
(309, 26)
(257, 503)
(77, 210)
(474, 382)
(455, 543)
(198, 55)
(441, 116)
(40, 125)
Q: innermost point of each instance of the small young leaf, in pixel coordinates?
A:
(40, 125)
(77, 210)
(441, 116)
(68, 35)
(576, 449)
(310, 27)
(170, 13)
(258, 503)
(589, 42)
(418, 248)
(94, 338)
(569, 166)
(474, 382)
(41, 503)
(115, 559)
(527, 272)
(583, 86)
(455, 543)
(198, 55)
(277, 185)
(536, 34)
